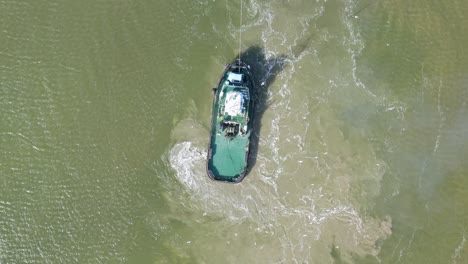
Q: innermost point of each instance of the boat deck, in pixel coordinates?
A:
(231, 161)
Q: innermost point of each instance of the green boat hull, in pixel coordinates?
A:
(231, 124)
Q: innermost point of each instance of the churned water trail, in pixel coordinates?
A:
(296, 192)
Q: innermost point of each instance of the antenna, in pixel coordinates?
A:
(240, 31)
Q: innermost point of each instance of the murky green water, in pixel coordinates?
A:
(104, 116)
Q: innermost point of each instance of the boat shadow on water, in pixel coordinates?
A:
(264, 71)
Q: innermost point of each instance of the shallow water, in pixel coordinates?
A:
(105, 108)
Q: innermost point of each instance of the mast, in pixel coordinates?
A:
(240, 32)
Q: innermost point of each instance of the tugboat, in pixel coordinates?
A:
(231, 124)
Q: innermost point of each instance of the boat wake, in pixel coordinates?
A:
(254, 209)
(189, 163)
(305, 219)
(313, 176)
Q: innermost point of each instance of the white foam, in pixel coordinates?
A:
(458, 249)
(188, 162)
(354, 43)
